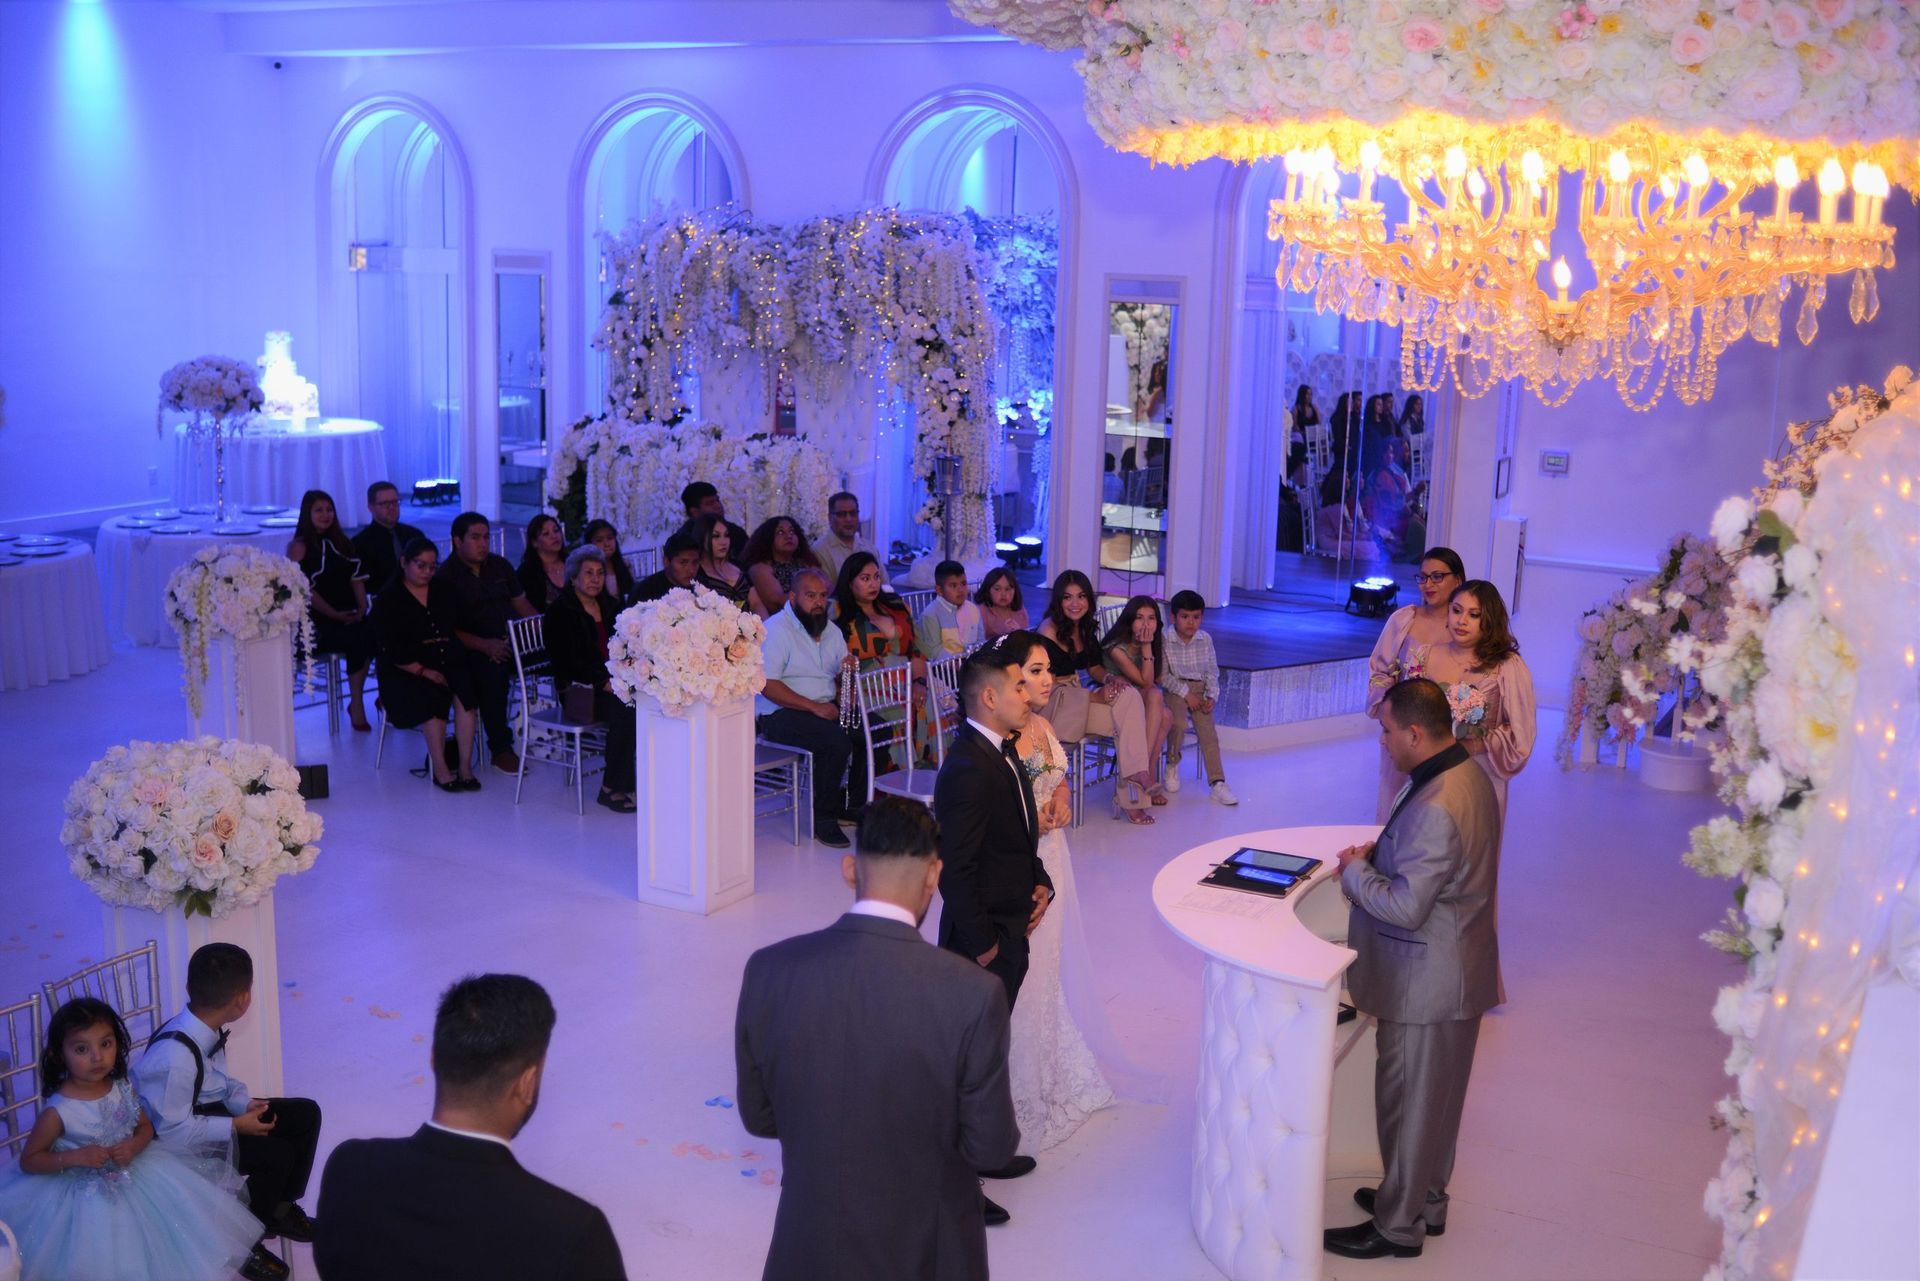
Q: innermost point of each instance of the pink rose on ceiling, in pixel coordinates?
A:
(1789, 25)
(1573, 59)
(1752, 12)
(1422, 35)
(1666, 15)
(1339, 43)
(1882, 40)
(1825, 60)
(1691, 45)
(1833, 13)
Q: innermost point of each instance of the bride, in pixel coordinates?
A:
(1056, 1081)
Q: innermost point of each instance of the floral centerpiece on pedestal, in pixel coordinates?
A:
(1622, 670)
(1813, 681)
(240, 591)
(687, 647)
(218, 395)
(204, 825)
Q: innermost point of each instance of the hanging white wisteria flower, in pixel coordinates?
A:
(206, 825)
(240, 591)
(687, 647)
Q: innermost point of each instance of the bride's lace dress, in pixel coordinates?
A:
(1056, 1081)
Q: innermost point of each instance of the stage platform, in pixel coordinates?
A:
(1285, 661)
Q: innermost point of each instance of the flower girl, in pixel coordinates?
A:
(91, 1198)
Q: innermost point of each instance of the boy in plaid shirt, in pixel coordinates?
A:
(1192, 683)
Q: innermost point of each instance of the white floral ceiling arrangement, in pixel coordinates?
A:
(1664, 121)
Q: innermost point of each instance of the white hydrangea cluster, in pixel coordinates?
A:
(202, 824)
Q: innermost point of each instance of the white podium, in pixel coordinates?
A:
(253, 1052)
(249, 693)
(1285, 1093)
(693, 780)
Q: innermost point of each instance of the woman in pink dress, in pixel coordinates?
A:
(1401, 651)
(1488, 685)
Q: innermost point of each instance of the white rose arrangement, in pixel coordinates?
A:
(204, 825)
(687, 647)
(236, 590)
(1813, 684)
(212, 386)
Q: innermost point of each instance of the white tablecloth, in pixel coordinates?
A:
(136, 563)
(272, 463)
(51, 623)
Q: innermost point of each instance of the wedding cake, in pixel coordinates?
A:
(288, 394)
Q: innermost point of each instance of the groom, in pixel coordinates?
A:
(993, 887)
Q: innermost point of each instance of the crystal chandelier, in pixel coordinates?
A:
(1685, 250)
(1591, 188)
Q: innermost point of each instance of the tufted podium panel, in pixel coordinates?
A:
(1279, 1077)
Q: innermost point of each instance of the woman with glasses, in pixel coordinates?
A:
(1401, 652)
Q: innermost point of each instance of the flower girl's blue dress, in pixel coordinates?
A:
(158, 1218)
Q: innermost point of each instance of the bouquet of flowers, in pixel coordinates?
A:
(1469, 707)
(213, 386)
(688, 647)
(202, 824)
(236, 590)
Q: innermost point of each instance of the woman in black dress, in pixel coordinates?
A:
(419, 663)
(718, 573)
(578, 627)
(543, 564)
(321, 549)
(620, 580)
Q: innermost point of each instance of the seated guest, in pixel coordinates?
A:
(879, 632)
(800, 705)
(679, 567)
(326, 556)
(777, 551)
(419, 663)
(718, 572)
(702, 499)
(1192, 684)
(843, 537)
(1001, 609)
(543, 565)
(880, 1064)
(1112, 488)
(1136, 654)
(1112, 707)
(620, 582)
(951, 623)
(451, 1200)
(1340, 528)
(484, 593)
(578, 627)
(201, 1113)
(382, 545)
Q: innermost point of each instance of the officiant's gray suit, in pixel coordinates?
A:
(880, 1063)
(1428, 966)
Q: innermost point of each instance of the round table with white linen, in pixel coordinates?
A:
(274, 462)
(51, 623)
(1278, 1074)
(136, 562)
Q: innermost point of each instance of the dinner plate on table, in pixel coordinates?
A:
(137, 522)
(232, 528)
(38, 540)
(281, 522)
(174, 529)
(262, 509)
(9, 561)
(163, 513)
(39, 551)
(6, 537)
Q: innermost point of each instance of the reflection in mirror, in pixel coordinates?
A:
(520, 374)
(1141, 360)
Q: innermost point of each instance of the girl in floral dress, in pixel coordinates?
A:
(1401, 652)
(879, 631)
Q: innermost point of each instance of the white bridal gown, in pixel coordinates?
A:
(1056, 1081)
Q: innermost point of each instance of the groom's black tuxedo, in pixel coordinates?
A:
(989, 843)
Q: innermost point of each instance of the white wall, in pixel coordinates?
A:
(1639, 479)
(146, 197)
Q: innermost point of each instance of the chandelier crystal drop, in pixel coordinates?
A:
(1687, 254)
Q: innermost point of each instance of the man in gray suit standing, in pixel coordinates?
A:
(880, 1063)
(1428, 965)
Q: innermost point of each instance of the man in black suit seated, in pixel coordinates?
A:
(679, 563)
(451, 1201)
(880, 1063)
(381, 546)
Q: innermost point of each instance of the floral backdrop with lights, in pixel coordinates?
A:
(1019, 263)
(1814, 683)
(898, 298)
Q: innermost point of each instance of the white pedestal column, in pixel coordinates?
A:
(249, 692)
(693, 779)
(253, 1051)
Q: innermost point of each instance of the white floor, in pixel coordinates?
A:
(1584, 1150)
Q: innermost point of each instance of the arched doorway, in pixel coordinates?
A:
(396, 316)
(646, 153)
(987, 152)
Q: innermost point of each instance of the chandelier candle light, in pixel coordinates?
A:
(1586, 190)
